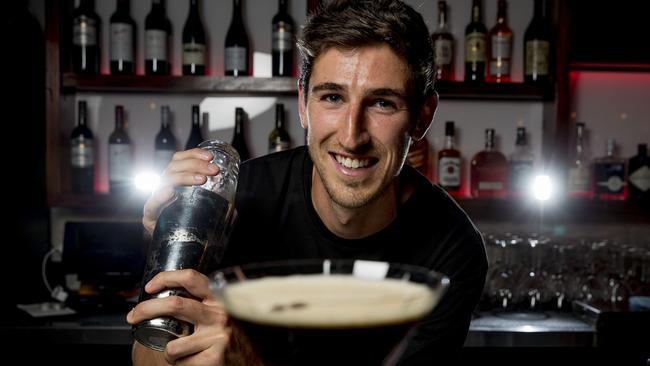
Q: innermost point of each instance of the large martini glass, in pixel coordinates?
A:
(317, 312)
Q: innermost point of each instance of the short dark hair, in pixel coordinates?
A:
(353, 23)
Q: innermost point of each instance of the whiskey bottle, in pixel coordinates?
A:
(449, 163)
(500, 47)
(537, 47)
(520, 165)
(639, 175)
(489, 171)
(609, 175)
(579, 184)
(443, 46)
(475, 46)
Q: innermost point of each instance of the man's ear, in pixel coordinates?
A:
(301, 106)
(425, 117)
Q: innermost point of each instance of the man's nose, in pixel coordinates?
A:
(353, 133)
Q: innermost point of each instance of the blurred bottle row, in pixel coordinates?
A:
(121, 150)
(87, 50)
(531, 272)
(493, 175)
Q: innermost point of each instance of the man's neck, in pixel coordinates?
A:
(357, 223)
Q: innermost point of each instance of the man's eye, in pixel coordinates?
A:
(385, 104)
(332, 98)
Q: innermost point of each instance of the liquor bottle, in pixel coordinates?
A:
(443, 46)
(639, 175)
(196, 137)
(86, 31)
(489, 171)
(165, 145)
(520, 165)
(158, 31)
(609, 175)
(537, 47)
(282, 42)
(120, 156)
(194, 45)
(579, 184)
(449, 163)
(82, 154)
(500, 47)
(420, 157)
(475, 46)
(279, 139)
(122, 28)
(238, 139)
(236, 48)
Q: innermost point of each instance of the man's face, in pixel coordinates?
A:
(358, 121)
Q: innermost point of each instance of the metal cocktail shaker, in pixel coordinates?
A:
(191, 232)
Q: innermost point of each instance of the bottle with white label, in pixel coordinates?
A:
(282, 42)
(82, 154)
(537, 47)
(500, 47)
(157, 33)
(579, 183)
(120, 156)
(443, 46)
(86, 36)
(194, 46)
(449, 163)
(609, 175)
(639, 175)
(165, 145)
(122, 34)
(520, 165)
(236, 51)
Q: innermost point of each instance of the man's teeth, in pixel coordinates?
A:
(352, 163)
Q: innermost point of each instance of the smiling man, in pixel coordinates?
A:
(365, 94)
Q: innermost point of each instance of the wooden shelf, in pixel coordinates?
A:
(99, 201)
(609, 67)
(277, 85)
(569, 210)
(179, 84)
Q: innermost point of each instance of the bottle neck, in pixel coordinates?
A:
(282, 7)
(489, 142)
(119, 119)
(195, 117)
(502, 17)
(449, 142)
(194, 8)
(157, 6)
(123, 6)
(83, 116)
(540, 9)
(476, 11)
(164, 119)
(442, 17)
(88, 5)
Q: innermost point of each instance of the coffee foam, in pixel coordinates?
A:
(328, 301)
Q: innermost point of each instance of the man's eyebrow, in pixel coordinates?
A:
(387, 92)
(327, 87)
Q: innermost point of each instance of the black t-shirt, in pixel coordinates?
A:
(276, 220)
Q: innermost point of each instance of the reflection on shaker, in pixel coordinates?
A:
(191, 232)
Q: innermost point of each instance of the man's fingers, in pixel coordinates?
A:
(197, 284)
(207, 349)
(179, 307)
(196, 153)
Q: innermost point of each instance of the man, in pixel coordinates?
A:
(365, 93)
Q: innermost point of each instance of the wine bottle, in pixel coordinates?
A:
(194, 45)
(579, 173)
(500, 47)
(443, 46)
(122, 28)
(282, 42)
(196, 137)
(236, 51)
(279, 139)
(165, 145)
(158, 31)
(475, 46)
(86, 30)
(537, 47)
(120, 156)
(238, 139)
(449, 163)
(82, 154)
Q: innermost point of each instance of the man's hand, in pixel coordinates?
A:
(187, 168)
(210, 338)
